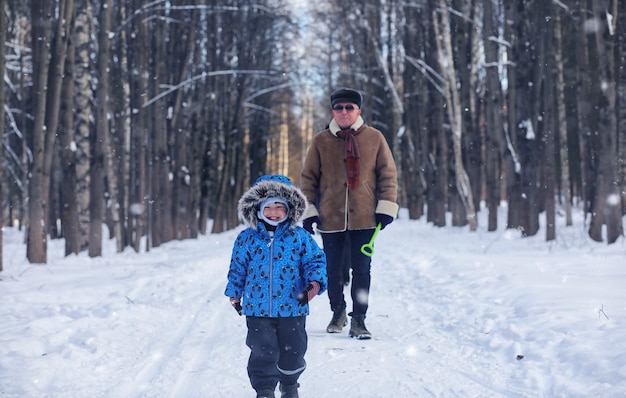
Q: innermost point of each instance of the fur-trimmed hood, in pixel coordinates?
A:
(271, 186)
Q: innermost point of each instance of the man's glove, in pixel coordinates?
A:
(236, 303)
(311, 291)
(307, 224)
(383, 220)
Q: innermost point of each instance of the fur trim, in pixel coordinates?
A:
(334, 127)
(249, 203)
(388, 208)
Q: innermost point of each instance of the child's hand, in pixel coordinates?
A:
(311, 291)
(236, 303)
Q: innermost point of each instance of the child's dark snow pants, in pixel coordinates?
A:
(277, 350)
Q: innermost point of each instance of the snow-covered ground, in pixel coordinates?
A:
(452, 313)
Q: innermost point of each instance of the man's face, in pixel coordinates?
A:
(345, 114)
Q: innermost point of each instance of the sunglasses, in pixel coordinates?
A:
(340, 108)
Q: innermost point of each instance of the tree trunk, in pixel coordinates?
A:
(137, 193)
(466, 60)
(584, 112)
(103, 124)
(621, 99)
(549, 122)
(82, 132)
(453, 105)
(36, 249)
(124, 130)
(606, 205)
(523, 196)
(562, 119)
(3, 34)
(101, 147)
(437, 147)
(69, 183)
(494, 123)
(411, 141)
(62, 33)
(179, 129)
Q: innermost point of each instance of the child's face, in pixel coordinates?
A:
(275, 211)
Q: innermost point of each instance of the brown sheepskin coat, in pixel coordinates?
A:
(324, 180)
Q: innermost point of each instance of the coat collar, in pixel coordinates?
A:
(334, 127)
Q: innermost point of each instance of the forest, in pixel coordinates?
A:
(144, 121)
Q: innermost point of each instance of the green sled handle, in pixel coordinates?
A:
(368, 248)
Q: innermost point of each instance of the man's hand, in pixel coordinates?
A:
(383, 220)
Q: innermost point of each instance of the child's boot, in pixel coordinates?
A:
(265, 394)
(289, 391)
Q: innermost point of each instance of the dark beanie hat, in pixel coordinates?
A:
(346, 95)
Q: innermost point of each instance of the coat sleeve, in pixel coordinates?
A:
(386, 180)
(313, 261)
(238, 270)
(310, 178)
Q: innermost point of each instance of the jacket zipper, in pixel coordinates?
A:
(271, 275)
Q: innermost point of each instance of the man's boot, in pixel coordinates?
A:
(338, 322)
(358, 329)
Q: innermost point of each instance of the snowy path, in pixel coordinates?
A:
(452, 315)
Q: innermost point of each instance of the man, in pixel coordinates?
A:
(350, 181)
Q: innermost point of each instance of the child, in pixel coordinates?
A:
(276, 268)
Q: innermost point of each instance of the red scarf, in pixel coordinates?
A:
(352, 156)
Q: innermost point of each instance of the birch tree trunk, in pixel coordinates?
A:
(83, 113)
(453, 103)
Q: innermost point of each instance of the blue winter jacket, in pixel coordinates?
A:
(267, 272)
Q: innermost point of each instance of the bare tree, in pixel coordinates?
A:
(494, 118)
(412, 139)
(63, 27)
(138, 65)
(67, 155)
(3, 37)
(607, 209)
(453, 105)
(36, 249)
(522, 194)
(562, 119)
(101, 165)
(547, 126)
(186, 104)
(621, 95)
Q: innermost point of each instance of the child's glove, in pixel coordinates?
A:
(311, 291)
(236, 303)
(307, 224)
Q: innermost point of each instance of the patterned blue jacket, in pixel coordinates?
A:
(267, 272)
